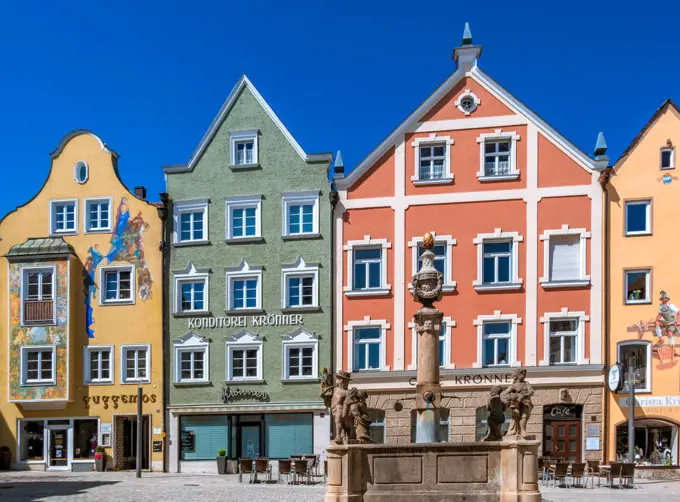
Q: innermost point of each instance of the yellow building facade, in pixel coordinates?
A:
(643, 194)
(81, 317)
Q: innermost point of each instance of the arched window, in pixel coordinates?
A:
(482, 428)
(81, 172)
(640, 354)
(377, 425)
(655, 442)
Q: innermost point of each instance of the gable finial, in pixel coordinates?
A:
(467, 35)
(600, 145)
(339, 166)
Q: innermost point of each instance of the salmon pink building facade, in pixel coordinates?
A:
(516, 211)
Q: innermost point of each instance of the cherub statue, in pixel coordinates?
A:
(356, 399)
(517, 397)
(339, 409)
(496, 408)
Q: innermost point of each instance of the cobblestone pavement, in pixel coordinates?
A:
(124, 487)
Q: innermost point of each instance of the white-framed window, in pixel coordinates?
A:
(432, 160)
(367, 267)
(377, 427)
(564, 338)
(637, 286)
(668, 158)
(443, 251)
(191, 290)
(564, 257)
(498, 156)
(366, 349)
(98, 363)
(638, 217)
(38, 294)
(244, 149)
(497, 340)
(300, 285)
(641, 352)
(244, 357)
(81, 172)
(135, 363)
(244, 287)
(244, 218)
(300, 212)
(497, 261)
(64, 216)
(38, 365)
(467, 102)
(117, 284)
(191, 359)
(444, 344)
(300, 355)
(98, 216)
(190, 221)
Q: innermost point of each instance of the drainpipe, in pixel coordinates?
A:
(165, 261)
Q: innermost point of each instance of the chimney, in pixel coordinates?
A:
(467, 54)
(338, 167)
(140, 193)
(601, 158)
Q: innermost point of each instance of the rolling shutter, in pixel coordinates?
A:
(565, 257)
(211, 433)
(288, 434)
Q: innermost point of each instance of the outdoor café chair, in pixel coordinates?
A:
(245, 466)
(313, 460)
(614, 473)
(285, 469)
(548, 471)
(262, 467)
(578, 473)
(301, 471)
(627, 476)
(325, 471)
(560, 473)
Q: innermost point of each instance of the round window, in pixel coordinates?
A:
(80, 173)
(467, 103)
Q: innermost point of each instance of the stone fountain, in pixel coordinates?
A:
(503, 469)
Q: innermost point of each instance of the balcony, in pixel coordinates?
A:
(38, 311)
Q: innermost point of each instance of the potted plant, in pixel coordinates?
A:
(100, 459)
(222, 461)
(5, 458)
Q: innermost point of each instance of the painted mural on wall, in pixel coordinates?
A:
(127, 245)
(665, 329)
(21, 336)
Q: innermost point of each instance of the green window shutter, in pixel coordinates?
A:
(288, 434)
(211, 433)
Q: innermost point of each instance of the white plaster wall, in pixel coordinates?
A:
(322, 433)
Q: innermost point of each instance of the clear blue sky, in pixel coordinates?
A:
(149, 76)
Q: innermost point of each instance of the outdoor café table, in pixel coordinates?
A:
(606, 470)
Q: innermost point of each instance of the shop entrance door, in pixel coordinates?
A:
(58, 448)
(250, 441)
(566, 436)
(129, 446)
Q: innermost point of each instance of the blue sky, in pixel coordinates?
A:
(149, 76)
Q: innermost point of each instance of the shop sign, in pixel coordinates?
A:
(234, 393)
(114, 400)
(187, 440)
(157, 446)
(592, 444)
(482, 379)
(242, 321)
(563, 411)
(650, 402)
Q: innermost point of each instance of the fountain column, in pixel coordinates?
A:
(427, 287)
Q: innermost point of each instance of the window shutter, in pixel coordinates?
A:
(565, 257)
(288, 434)
(210, 435)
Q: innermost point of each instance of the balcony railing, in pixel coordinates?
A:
(502, 169)
(38, 311)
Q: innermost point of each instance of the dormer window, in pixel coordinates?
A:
(668, 158)
(244, 149)
(81, 172)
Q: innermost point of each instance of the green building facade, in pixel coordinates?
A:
(249, 279)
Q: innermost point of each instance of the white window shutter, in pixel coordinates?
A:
(565, 257)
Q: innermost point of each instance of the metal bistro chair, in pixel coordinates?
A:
(245, 466)
(262, 467)
(560, 473)
(592, 470)
(548, 471)
(578, 473)
(627, 476)
(285, 469)
(325, 471)
(301, 471)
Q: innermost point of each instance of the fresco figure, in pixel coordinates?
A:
(122, 218)
(667, 318)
